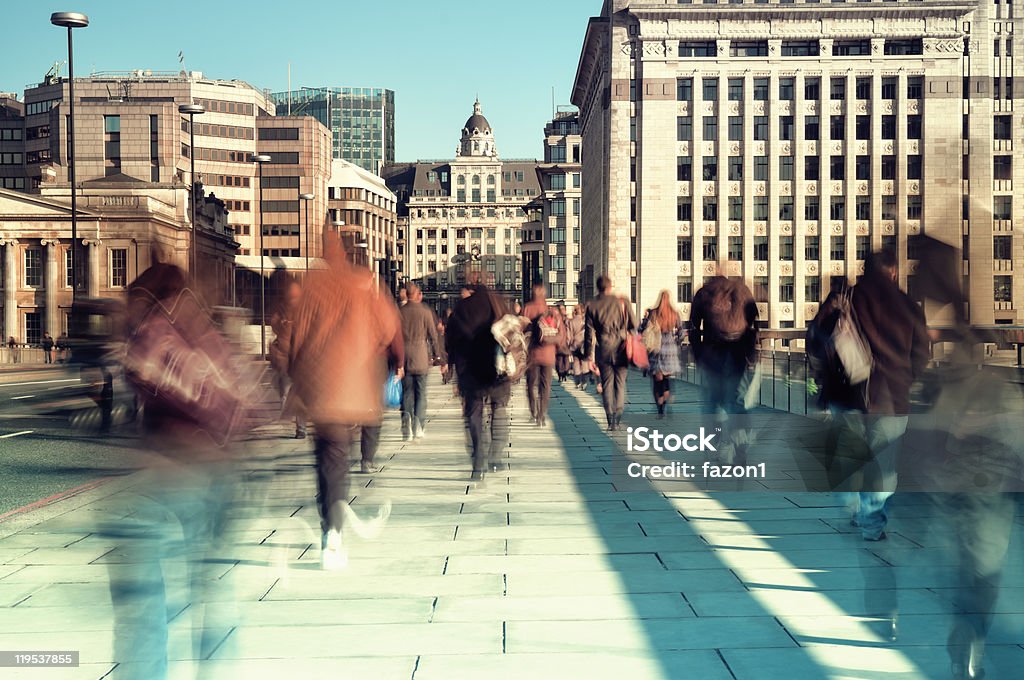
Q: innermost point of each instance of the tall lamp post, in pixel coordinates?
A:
(192, 110)
(259, 160)
(306, 198)
(71, 20)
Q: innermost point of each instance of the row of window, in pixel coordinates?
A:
(812, 248)
(278, 134)
(862, 88)
(12, 158)
(224, 131)
(787, 128)
(34, 269)
(229, 181)
(40, 107)
(709, 208)
(12, 183)
(556, 182)
(462, 233)
(220, 106)
(812, 168)
(10, 134)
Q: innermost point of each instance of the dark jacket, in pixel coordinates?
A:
(541, 354)
(471, 345)
(894, 327)
(710, 349)
(609, 319)
(419, 331)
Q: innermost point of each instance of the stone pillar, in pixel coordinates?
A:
(52, 306)
(93, 286)
(10, 287)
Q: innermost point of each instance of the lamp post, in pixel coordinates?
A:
(259, 160)
(71, 20)
(306, 198)
(192, 110)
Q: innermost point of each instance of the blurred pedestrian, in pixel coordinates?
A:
(394, 355)
(608, 320)
(576, 328)
(546, 333)
(473, 348)
(403, 296)
(12, 350)
(337, 365)
(664, 324)
(563, 355)
(422, 347)
(282, 322)
(62, 348)
(47, 345)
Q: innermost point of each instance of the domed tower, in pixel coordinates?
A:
(477, 136)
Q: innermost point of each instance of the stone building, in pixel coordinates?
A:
(785, 141)
(560, 181)
(361, 209)
(463, 218)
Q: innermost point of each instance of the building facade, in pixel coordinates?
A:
(361, 120)
(561, 191)
(464, 218)
(362, 210)
(784, 141)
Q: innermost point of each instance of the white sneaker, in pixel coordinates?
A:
(333, 555)
(419, 431)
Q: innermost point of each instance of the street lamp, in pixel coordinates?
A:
(192, 110)
(259, 160)
(71, 20)
(306, 198)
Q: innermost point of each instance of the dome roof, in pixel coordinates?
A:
(477, 120)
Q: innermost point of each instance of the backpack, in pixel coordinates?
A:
(839, 350)
(548, 329)
(510, 352)
(727, 314)
(652, 334)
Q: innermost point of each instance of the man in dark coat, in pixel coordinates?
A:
(419, 331)
(609, 319)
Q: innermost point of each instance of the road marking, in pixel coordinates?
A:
(41, 382)
(24, 396)
(56, 497)
(16, 434)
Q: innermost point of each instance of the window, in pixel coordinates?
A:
(556, 235)
(888, 127)
(684, 248)
(786, 248)
(711, 128)
(280, 206)
(284, 157)
(710, 90)
(735, 128)
(786, 289)
(761, 128)
(837, 168)
(475, 195)
(812, 86)
(1002, 167)
(837, 208)
(1002, 288)
(684, 289)
(1002, 207)
(33, 267)
(812, 289)
(851, 48)
(888, 207)
(684, 169)
(862, 244)
(710, 212)
(760, 89)
(915, 87)
(812, 212)
(811, 247)
(812, 168)
(736, 248)
(785, 168)
(1002, 127)
(786, 127)
(786, 208)
(632, 129)
(33, 327)
(837, 128)
(760, 208)
(556, 182)
(576, 207)
(914, 167)
(863, 125)
(888, 167)
(1002, 247)
(696, 48)
(914, 127)
(800, 48)
(735, 168)
(903, 47)
(811, 127)
(837, 248)
(862, 87)
(280, 183)
(863, 164)
(710, 248)
(786, 87)
(748, 48)
(863, 208)
(684, 209)
(558, 207)
(112, 145)
(761, 248)
(837, 89)
(277, 134)
(118, 267)
(913, 207)
(760, 168)
(576, 177)
(710, 168)
(460, 195)
(684, 89)
(735, 89)
(761, 288)
(684, 128)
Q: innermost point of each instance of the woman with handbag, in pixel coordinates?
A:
(661, 331)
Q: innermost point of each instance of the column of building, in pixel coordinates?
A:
(10, 287)
(52, 311)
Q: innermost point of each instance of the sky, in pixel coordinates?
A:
(436, 56)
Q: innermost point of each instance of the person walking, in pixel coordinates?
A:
(47, 345)
(608, 319)
(419, 332)
(874, 422)
(563, 355)
(473, 348)
(337, 367)
(369, 434)
(282, 323)
(575, 329)
(546, 334)
(664, 324)
(12, 350)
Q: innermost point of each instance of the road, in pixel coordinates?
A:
(49, 441)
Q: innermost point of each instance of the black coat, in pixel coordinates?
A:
(471, 345)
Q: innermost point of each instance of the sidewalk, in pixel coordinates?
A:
(550, 570)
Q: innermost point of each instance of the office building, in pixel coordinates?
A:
(361, 120)
(785, 141)
(362, 211)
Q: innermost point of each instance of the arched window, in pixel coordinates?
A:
(476, 180)
(490, 180)
(462, 180)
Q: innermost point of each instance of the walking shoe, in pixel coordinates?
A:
(477, 476)
(333, 555)
(368, 468)
(418, 432)
(300, 434)
(880, 537)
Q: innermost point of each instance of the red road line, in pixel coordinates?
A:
(55, 498)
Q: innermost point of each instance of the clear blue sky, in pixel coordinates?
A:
(437, 56)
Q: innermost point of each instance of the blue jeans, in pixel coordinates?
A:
(414, 401)
(864, 466)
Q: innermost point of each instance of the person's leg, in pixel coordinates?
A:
(369, 442)
(408, 406)
(884, 435)
(473, 409)
(608, 392)
(333, 444)
(620, 392)
(420, 412)
(500, 396)
(532, 378)
(544, 393)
